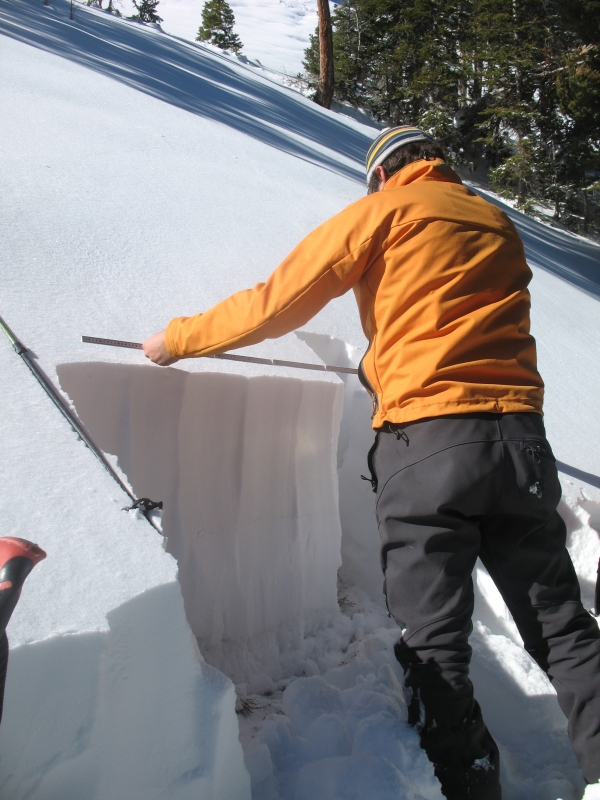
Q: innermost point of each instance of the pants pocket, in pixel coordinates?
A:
(536, 474)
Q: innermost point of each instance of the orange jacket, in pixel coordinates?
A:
(441, 283)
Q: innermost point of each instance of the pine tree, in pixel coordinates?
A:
(512, 83)
(217, 26)
(400, 60)
(578, 91)
(523, 43)
(146, 11)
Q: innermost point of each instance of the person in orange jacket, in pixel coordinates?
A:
(460, 464)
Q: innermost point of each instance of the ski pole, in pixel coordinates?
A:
(144, 504)
(271, 362)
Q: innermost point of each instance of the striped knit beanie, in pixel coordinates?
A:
(388, 141)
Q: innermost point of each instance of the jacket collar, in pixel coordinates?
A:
(436, 170)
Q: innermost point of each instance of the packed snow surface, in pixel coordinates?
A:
(147, 177)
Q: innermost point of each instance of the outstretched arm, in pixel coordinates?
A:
(326, 264)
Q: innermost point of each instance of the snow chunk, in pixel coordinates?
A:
(85, 716)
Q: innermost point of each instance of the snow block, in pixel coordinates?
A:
(246, 467)
(130, 714)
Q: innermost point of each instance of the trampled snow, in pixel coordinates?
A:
(145, 178)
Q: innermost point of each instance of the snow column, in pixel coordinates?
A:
(246, 467)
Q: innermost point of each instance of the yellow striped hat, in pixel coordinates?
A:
(389, 140)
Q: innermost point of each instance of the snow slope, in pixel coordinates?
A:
(274, 32)
(147, 177)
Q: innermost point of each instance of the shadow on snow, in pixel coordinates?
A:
(190, 77)
(202, 82)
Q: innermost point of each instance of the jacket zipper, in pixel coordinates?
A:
(365, 382)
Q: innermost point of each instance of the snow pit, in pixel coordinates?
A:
(246, 470)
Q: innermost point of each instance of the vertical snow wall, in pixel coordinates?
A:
(246, 468)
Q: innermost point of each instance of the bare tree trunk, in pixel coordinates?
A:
(325, 91)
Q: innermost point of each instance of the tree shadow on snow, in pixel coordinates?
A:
(202, 82)
(190, 77)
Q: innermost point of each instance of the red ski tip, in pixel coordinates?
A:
(11, 546)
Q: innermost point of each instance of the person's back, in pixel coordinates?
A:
(444, 301)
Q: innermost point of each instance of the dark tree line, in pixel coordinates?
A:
(509, 85)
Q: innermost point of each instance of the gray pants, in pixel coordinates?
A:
(451, 489)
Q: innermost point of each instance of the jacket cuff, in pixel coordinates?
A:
(171, 338)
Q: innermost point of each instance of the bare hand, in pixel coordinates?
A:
(156, 350)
